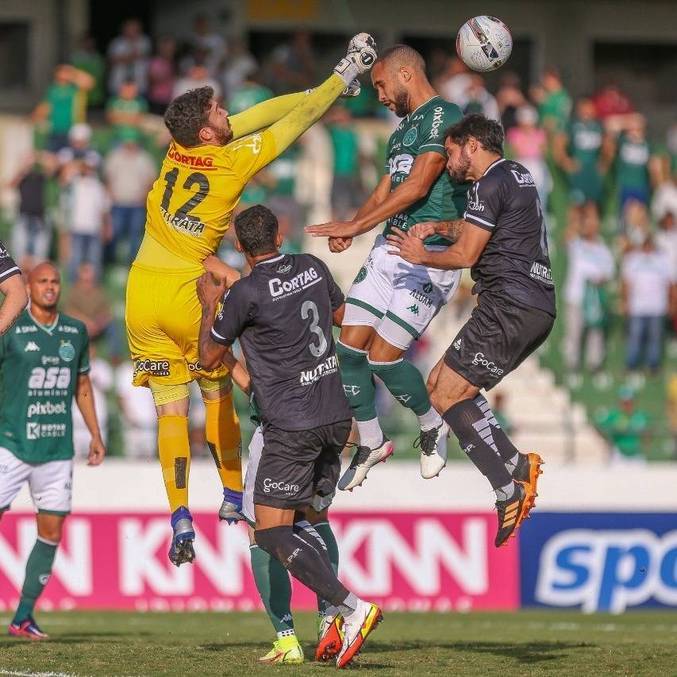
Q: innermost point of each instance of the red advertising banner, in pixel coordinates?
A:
(409, 561)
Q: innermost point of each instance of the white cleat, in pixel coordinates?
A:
(433, 445)
(356, 628)
(364, 459)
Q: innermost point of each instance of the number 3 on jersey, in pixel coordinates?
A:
(195, 179)
(320, 348)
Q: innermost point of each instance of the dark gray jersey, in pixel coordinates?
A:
(515, 262)
(282, 314)
(7, 266)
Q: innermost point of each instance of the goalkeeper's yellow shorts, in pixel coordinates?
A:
(163, 316)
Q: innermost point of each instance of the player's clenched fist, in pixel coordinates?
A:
(339, 244)
(360, 57)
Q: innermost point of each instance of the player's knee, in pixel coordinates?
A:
(275, 540)
(215, 389)
(440, 400)
(170, 400)
(51, 532)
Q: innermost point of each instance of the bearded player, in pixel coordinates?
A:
(210, 160)
(392, 302)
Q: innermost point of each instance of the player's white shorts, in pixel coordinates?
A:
(50, 483)
(318, 503)
(398, 298)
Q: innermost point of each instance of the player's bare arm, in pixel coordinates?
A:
(425, 171)
(464, 254)
(209, 291)
(221, 270)
(84, 397)
(448, 229)
(337, 316)
(16, 299)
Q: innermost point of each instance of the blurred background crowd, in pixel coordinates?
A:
(607, 179)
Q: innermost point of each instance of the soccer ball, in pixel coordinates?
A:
(484, 43)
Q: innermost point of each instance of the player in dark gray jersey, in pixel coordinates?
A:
(503, 240)
(283, 313)
(13, 288)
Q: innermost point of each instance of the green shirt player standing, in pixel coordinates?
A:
(44, 365)
(391, 301)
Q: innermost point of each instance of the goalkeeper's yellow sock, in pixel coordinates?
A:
(222, 429)
(174, 452)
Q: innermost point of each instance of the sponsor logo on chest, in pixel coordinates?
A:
(280, 288)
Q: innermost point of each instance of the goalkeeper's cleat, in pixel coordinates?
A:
(28, 629)
(286, 650)
(231, 508)
(363, 460)
(513, 512)
(329, 636)
(527, 470)
(181, 550)
(356, 628)
(353, 89)
(433, 445)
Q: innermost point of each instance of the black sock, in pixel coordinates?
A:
(473, 431)
(302, 558)
(506, 448)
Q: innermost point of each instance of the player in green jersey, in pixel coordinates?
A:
(392, 302)
(44, 364)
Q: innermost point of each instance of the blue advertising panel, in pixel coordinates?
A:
(599, 561)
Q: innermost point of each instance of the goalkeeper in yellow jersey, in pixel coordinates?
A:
(189, 209)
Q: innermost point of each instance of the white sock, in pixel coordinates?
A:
(286, 633)
(330, 611)
(349, 605)
(511, 465)
(371, 434)
(505, 493)
(431, 419)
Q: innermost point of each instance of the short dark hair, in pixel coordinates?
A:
(256, 229)
(488, 132)
(402, 55)
(187, 114)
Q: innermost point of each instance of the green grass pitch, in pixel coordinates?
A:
(523, 643)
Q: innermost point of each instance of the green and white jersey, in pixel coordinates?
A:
(422, 131)
(39, 369)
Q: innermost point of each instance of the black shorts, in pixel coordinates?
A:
(496, 339)
(298, 464)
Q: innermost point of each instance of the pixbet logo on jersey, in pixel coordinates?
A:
(598, 568)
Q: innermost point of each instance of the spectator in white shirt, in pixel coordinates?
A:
(648, 295)
(209, 43)
(453, 84)
(128, 57)
(590, 266)
(129, 172)
(139, 419)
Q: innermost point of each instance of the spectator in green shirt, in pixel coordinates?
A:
(624, 427)
(554, 108)
(86, 58)
(247, 95)
(64, 104)
(346, 192)
(126, 111)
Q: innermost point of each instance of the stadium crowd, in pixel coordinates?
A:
(99, 138)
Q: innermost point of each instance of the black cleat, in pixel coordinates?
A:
(513, 512)
(528, 469)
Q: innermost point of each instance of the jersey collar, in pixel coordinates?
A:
(425, 103)
(46, 328)
(275, 258)
(492, 165)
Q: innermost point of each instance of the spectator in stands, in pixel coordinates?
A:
(31, 233)
(666, 241)
(162, 75)
(636, 225)
(590, 266)
(529, 145)
(79, 149)
(346, 192)
(292, 64)
(128, 56)
(209, 44)
(125, 112)
(87, 301)
(87, 218)
(613, 107)
(454, 83)
(648, 294)
(664, 200)
(554, 102)
(509, 98)
(129, 172)
(478, 99)
(88, 59)
(64, 104)
(101, 376)
(197, 76)
(139, 420)
(577, 149)
(240, 72)
(247, 94)
(624, 426)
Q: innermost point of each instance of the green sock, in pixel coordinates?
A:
(327, 535)
(405, 383)
(38, 569)
(272, 582)
(358, 383)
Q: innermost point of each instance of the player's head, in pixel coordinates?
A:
(470, 143)
(44, 286)
(257, 232)
(195, 118)
(395, 73)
